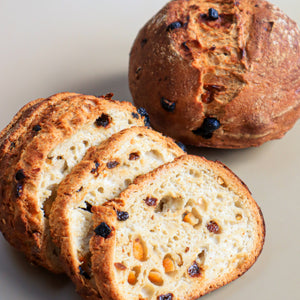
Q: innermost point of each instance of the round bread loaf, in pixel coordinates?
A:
(223, 74)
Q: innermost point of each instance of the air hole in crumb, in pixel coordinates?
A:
(85, 143)
(101, 190)
(72, 148)
(169, 203)
(168, 264)
(48, 202)
(238, 204)
(127, 182)
(221, 182)
(194, 173)
(129, 122)
(155, 155)
(238, 217)
(147, 291)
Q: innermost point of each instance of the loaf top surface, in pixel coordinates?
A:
(241, 69)
(58, 132)
(103, 173)
(191, 227)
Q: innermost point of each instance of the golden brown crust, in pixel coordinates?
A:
(22, 221)
(103, 249)
(242, 70)
(68, 198)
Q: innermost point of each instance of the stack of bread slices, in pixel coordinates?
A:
(87, 188)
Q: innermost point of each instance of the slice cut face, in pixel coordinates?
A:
(191, 227)
(103, 173)
(54, 136)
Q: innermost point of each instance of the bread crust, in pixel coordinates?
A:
(103, 248)
(22, 220)
(68, 198)
(249, 68)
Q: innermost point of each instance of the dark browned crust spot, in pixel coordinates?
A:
(120, 266)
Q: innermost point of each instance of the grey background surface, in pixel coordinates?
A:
(83, 46)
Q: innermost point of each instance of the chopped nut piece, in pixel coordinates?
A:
(190, 218)
(138, 250)
(168, 264)
(132, 278)
(155, 278)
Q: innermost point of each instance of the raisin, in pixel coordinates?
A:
(167, 104)
(213, 14)
(120, 266)
(194, 270)
(94, 170)
(79, 190)
(135, 115)
(103, 121)
(143, 113)
(103, 230)
(112, 164)
(151, 201)
(165, 297)
(36, 128)
(12, 145)
(143, 42)
(212, 226)
(207, 128)
(138, 72)
(174, 25)
(19, 189)
(108, 96)
(181, 145)
(185, 46)
(84, 273)
(122, 215)
(20, 175)
(134, 156)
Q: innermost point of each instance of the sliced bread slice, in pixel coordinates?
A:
(103, 173)
(65, 128)
(191, 227)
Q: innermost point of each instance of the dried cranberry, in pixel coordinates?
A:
(143, 42)
(84, 273)
(213, 14)
(135, 115)
(207, 128)
(94, 170)
(174, 25)
(213, 227)
(122, 215)
(151, 201)
(103, 230)
(103, 120)
(36, 128)
(134, 156)
(143, 113)
(194, 270)
(112, 164)
(165, 297)
(167, 104)
(20, 175)
(181, 145)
